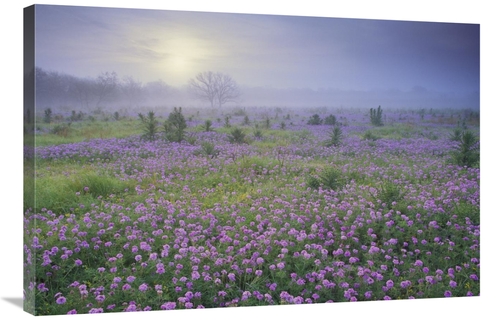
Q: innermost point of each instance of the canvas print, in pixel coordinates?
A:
(186, 160)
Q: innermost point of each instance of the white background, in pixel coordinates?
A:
(483, 12)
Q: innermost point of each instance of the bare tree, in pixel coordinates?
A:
(132, 90)
(105, 86)
(216, 87)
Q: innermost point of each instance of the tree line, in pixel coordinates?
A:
(55, 89)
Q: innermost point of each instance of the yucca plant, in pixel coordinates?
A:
(207, 126)
(466, 153)
(335, 137)
(237, 136)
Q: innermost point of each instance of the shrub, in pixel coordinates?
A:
(267, 123)
(208, 149)
(282, 125)
(47, 115)
(376, 116)
(335, 137)
(207, 126)
(226, 122)
(330, 120)
(62, 130)
(315, 120)
(149, 126)
(329, 178)
(257, 133)
(389, 193)
(237, 136)
(467, 151)
(246, 120)
(174, 126)
(368, 135)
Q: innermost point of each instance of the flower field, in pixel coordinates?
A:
(124, 224)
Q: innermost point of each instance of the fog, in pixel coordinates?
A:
(109, 58)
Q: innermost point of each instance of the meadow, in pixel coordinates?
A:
(252, 207)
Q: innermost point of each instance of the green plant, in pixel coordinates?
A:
(315, 120)
(149, 125)
(335, 137)
(47, 115)
(227, 124)
(62, 130)
(116, 116)
(237, 136)
(282, 125)
(267, 123)
(330, 120)
(246, 120)
(175, 126)
(368, 135)
(257, 133)
(207, 126)
(390, 193)
(208, 149)
(466, 153)
(376, 116)
(329, 178)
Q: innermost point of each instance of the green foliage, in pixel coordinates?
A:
(335, 137)
(174, 127)
(207, 126)
(149, 126)
(208, 149)
(47, 115)
(368, 135)
(390, 193)
(376, 116)
(282, 125)
(246, 121)
(267, 123)
(329, 178)
(330, 120)
(116, 116)
(227, 124)
(76, 116)
(315, 120)
(257, 133)
(237, 136)
(467, 151)
(62, 130)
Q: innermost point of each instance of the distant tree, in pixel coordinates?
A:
(214, 87)
(105, 86)
(132, 91)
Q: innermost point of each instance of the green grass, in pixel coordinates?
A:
(87, 130)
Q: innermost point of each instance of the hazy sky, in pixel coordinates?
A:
(259, 50)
